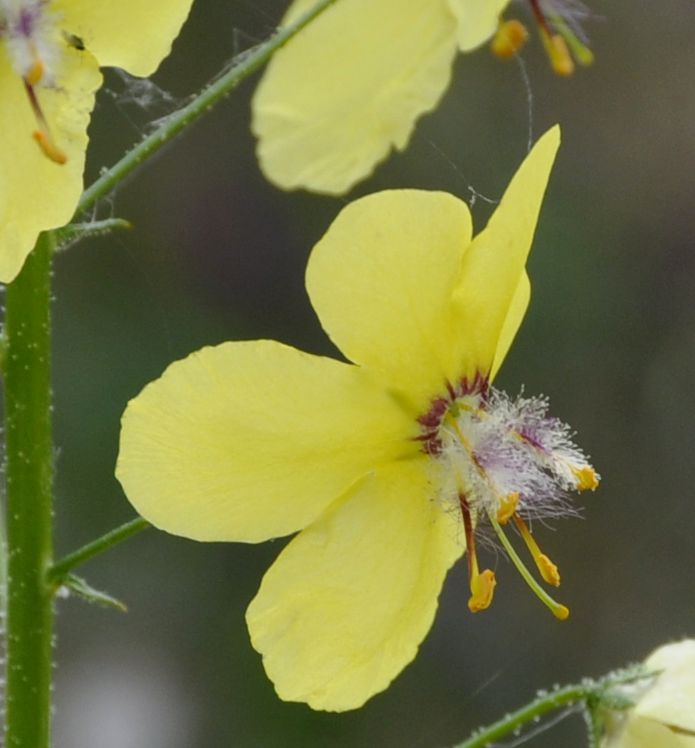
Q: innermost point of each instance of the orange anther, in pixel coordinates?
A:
(548, 570)
(507, 507)
(482, 590)
(49, 148)
(587, 478)
(35, 73)
(509, 39)
(559, 54)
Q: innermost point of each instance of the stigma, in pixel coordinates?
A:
(34, 43)
(557, 22)
(504, 462)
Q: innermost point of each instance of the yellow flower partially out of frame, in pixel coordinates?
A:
(386, 464)
(349, 87)
(664, 713)
(50, 53)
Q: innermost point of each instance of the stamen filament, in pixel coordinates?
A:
(33, 77)
(555, 44)
(545, 566)
(42, 136)
(560, 611)
(581, 52)
(49, 148)
(482, 585)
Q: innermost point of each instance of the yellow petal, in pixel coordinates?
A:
(381, 281)
(515, 315)
(252, 440)
(130, 34)
(671, 700)
(35, 193)
(477, 20)
(640, 732)
(348, 89)
(345, 606)
(492, 268)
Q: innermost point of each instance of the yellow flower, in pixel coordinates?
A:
(50, 53)
(386, 465)
(349, 87)
(664, 712)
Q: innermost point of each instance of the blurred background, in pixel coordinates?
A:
(219, 254)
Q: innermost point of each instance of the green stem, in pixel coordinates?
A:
(521, 717)
(75, 232)
(29, 475)
(199, 105)
(57, 573)
(592, 695)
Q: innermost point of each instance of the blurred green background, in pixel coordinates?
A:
(219, 254)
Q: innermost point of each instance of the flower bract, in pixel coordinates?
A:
(50, 53)
(663, 715)
(388, 466)
(349, 87)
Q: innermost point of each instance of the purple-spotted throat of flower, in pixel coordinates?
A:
(558, 28)
(33, 42)
(506, 460)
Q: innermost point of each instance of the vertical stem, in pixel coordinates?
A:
(29, 472)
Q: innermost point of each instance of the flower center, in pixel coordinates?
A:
(33, 41)
(558, 23)
(499, 460)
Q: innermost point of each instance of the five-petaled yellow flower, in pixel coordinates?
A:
(386, 465)
(50, 53)
(664, 712)
(349, 87)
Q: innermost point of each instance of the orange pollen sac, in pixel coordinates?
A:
(558, 53)
(546, 568)
(482, 585)
(42, 136)
(508, 507)
(562, 44)
(510, 38)
(587, 478)
(35, 74)
(49, 148)
(482, 591)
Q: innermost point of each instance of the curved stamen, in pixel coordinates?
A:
(559, 39)
(482, 585)
(581, 52)
(546, 568)
(560, 611)
(42, 136)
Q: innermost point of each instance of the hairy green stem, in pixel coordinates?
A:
(75, 232)
(213, 93)
(59, 570)
(26, 347)
(519, 718)
(592, 696)
(29, 477)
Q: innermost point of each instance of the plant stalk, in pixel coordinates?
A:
(59, 570)
(29, 477)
